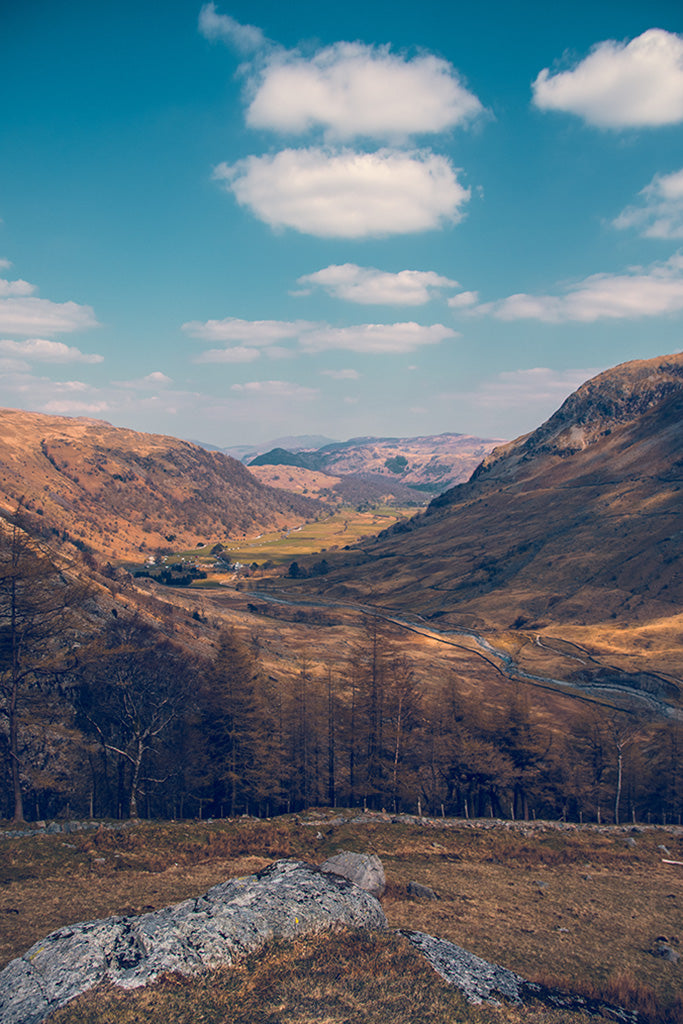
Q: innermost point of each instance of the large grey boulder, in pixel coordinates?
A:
(364, 869)
(288, 898)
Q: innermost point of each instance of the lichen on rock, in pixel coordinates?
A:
(287, 899)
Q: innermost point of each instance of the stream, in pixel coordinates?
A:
(614, 681)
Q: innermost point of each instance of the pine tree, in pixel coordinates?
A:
(39, 630)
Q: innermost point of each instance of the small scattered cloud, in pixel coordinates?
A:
(352, 89)
(463, 300)
(368, 286)
(157, 378)
(5, 264)
(634, 84)
(67, 407)
(257, 336)
(237, 354)
(248, 332)
(15, 288)
(660, 211)
(274, 389)
(377, 339)
(31, 315)
(639, 292)
(346, 194)
(47, 351)
(341, 374)
(246, 39)
(154, 380)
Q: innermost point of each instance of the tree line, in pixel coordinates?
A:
(102, 715)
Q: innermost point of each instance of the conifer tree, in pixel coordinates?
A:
(39, 629)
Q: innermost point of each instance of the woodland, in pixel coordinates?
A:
(103, 715)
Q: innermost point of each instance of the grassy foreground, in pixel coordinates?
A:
(580, 908)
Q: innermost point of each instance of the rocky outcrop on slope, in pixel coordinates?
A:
(287, 899)
(612, 398)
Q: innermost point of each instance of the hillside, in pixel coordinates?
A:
(359, 489)
(433, 462)
(121, 492)
(578, 522)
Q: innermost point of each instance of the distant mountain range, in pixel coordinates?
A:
(579, 521)
(293, 443)
(431, 463)
(120, 492)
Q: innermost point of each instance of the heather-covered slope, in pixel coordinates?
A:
(579, 522)
(120, 491)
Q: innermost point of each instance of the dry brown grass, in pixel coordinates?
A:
(575, 907)
(343, 978)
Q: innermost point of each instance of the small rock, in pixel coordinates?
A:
(422, 892)
(364, 869)
(630, 842)
(665, 950)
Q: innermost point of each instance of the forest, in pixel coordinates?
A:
(102, 715)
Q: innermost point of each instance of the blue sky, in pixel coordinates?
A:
(236, 222)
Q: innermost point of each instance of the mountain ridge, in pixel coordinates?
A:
(430, 462)
(119, 492)
(550, 530)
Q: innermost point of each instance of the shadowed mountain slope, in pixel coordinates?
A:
(580, 521)
(121, 492)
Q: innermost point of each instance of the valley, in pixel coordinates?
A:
(546, 591)
(496, 675)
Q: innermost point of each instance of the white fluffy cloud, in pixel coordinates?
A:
(347, 194)
(660, 211)
(621, 85)
(463, 300)
(73, 407)
(237, 354)
(245, 38)
(248, 332)
(351, 90)
(368, 286)
(655, 291)
(47, 351)
(377, 339)
(255, 336)
(15, 288)
(30, 315)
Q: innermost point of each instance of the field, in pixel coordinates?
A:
(281, 547)
(344, 527)
(580, 908)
